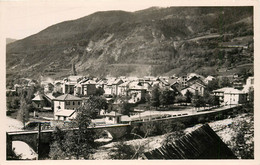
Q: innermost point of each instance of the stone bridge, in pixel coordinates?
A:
(31, 137)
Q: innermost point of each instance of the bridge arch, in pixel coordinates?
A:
(105, 133)
(25, 150)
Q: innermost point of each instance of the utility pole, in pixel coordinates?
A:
(39, 140)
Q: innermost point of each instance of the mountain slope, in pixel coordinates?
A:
(147, 42)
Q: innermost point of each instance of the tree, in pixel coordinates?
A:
(213, 85)
(155, 97)
(125, 108)
(167, 97)
(224, 82)
(180, 99)
(198, 101)
(96, 103)
(77, 143)
(243, 143)
(23, 113)
(188, 96)
(99, 91)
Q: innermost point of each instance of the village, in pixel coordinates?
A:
(130, 99)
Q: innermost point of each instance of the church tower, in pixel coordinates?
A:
(73, 69)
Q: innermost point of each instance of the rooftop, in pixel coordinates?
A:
(66, 113)
(38, 98)
(113, 113)
(67, 97)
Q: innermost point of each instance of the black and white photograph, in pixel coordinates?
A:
(128, 80)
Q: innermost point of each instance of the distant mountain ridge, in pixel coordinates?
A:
(10, 40)
(154, 41)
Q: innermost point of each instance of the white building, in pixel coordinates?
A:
(234, 96)
(220, 93)
(249, 84)
(65, 105)
(113, 118)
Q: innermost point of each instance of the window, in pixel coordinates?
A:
(73, 103)
(67, 103)
(110, 118)
(78, 102)
(64, 118)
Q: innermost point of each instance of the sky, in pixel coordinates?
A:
(22, 18)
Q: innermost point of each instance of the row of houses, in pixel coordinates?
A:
(64, 106)
(126, 86)
(134, 87)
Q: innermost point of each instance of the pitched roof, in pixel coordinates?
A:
(113, 113)
(89, 82)
(234, 91)
(222, 89)
(117, 82)
(124, 84)
(66, 113)
(67, 97)
(38, 98)
(50, 96)
(203, 143)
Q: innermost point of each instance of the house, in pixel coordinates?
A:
(68, 87)
(78, 88)
(209, 79)
(89, 88)
(234, 96)
(238, 83)
(250, 81)
(195, 88)
(49, 100)
(58, 86)
(162, 83)
(136, 91)
(66, 115)
(220, 93)
(115, 86)
(64, 103)
(191, 75)
(108, 86)
(176, 86)
(69, 83)
(183, 81)
(38, 102)
(48, 88)
(228, 96)
(123, 88)
(249, 84)
(113, 118)
(195, 79)
(101, 83)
